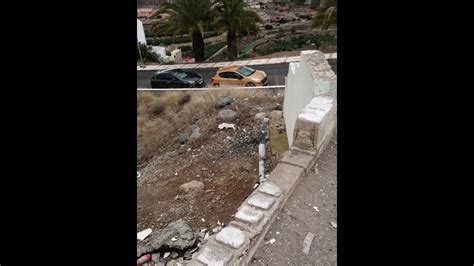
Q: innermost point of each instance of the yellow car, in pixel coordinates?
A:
(239, 76)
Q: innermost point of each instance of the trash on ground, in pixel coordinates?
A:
(316, 208)
(271, 241)
(202, 219)
(144, 259)
(225, 125)
(143, 234)
(307, 243)
(334, 224)
(166, 255)
(277, 233)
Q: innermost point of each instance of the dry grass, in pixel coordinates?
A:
(162, 117)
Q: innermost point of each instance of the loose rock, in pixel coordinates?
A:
(223, 101)
(183, 138)
(260, 116)
(227, 114)
(193, 186)
(276, 115)
(162, 238)
(196, 133)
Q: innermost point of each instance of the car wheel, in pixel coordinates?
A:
(249, 84)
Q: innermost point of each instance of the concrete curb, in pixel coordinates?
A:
(237, 243)
(266, 61)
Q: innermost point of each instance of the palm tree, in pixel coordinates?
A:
(235, 17)
(326, 14)
(187, 16)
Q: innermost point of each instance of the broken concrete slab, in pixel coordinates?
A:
(179, 229)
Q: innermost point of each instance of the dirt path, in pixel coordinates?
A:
(225, 161)
(299, 217)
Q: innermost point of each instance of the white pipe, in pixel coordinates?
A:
(261, 162)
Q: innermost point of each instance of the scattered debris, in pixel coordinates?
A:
(218, 222)
(155, 257)
(196, 133)
(276, 115)
(166, 255)
(183, 138)
(271, 241)
(217, 229)
(193, 186)
(227, 113)
(316, 208)
(139, 174)
(260, 116)
(277, 233)
(144, 259)
(225, 125)
(143, 234)
(334, 224)
(307, 243)
(202, 219)
(174, 239)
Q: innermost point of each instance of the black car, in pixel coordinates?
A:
(176, 78)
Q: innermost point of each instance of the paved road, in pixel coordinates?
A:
(276, 73)
(299, 217)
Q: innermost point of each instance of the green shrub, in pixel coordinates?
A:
(176, 39)
(147, 54)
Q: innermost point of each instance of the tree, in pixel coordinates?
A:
(235, 17)
(187, 16)
(326, 14)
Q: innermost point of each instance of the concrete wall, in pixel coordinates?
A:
(315, 125)
(140, 32)
(310, 78)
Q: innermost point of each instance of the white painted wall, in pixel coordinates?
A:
(309, 78)
(298, 93)
(140, 32)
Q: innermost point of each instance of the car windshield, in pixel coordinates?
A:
(245, 71)
(181, 74)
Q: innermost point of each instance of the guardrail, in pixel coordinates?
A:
(212, 88)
